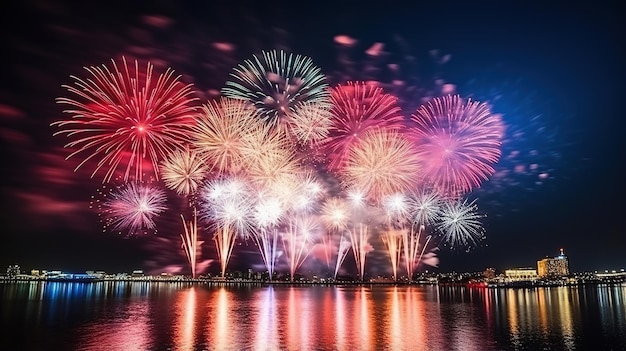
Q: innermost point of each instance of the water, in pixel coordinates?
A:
(184, 316)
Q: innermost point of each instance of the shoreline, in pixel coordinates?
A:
(211, 282)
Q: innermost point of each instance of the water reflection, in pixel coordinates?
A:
(185, 317)
(185, 324)
(266, 332)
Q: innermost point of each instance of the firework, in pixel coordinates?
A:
(357, 108)
(309, 123)
(221, 132)
(298, 239)
(124, 117)
(342, 251)
(306, 192)
(273, 167)
(458, 143)
(414, 248)
(299, 195)
(133, 207)
(334, 216)
(425, 209)
(276, 83)
(383, 163)
(358, 230)
(425, 206)
(393, 238)
(183, 171)
(226, 203)
(267, 214)
(396, 209)
(460, 224)
(359, 239)
(191, 245)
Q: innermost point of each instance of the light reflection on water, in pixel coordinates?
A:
(185, 317)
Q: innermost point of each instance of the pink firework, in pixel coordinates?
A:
(126, 118)
(357, 108)
(458, 142)
(133, 207)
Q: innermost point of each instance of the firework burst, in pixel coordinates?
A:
(383, 163)
(222, 133)
(124, 117)
(425, 206)
(357, 108)
(309, 123)
(183, 171)
(276, 83)
(133, 207)
(227, 205)
(460, 224)
(458, 143)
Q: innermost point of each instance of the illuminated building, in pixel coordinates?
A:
(489, 273)
(13, 271)
(553, 267)
(520, 274)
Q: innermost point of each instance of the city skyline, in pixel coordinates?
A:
(548, 74)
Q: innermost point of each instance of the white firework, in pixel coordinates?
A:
(460, 224)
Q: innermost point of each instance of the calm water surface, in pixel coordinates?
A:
(184, 316)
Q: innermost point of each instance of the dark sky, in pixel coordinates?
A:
(553, 72)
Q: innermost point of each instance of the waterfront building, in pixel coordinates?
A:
(520, 274)
(489, 273)
(13, 271)
(553, 267)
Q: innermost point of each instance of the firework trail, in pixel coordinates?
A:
(191, 245)
(267, 214)
(359, 230)
(124, 117)
(301, 228)
(414, 248)
(276, 83)
(460, 224)
(383, 163)
(358, 107)
(133, 207)
(342, 251)
(299, 237)
(335, 216)
(395, 232)
(425, 209)
(458, 143)
(226, 203)
(392, 239)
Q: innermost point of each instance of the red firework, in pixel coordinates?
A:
(357, 108)
(125, 117)
(458, 143)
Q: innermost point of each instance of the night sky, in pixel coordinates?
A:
(553, 73)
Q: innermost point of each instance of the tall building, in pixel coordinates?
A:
(553, 267)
